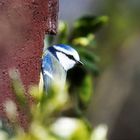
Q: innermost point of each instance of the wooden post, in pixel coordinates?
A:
(23, 24)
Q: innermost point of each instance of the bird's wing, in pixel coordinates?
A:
(52, 71)
(47, 70)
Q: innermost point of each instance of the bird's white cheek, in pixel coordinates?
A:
(65, 61)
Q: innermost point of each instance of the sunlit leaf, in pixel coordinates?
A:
(88, 41)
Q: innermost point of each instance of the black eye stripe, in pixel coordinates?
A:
(71, 57)
(68, 55)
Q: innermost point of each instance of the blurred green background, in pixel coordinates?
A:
(102, 98)
(116, 97)
(124, 17)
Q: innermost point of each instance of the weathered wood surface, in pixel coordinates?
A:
(23, 24)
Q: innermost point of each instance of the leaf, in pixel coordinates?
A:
(86, 91)
(88, 24)
(90, 66)
(88, 54)
(88, 41)
(18, 87)
(62, 33)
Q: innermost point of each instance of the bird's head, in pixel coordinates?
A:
(67, 56)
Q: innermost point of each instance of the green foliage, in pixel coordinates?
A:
(47, 121)
(88, 24)
(46, 115)
(18, 87)
(50, 113)
(86, 90)
(82, 37)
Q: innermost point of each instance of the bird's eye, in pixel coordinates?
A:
(71, 57)
(68, 55)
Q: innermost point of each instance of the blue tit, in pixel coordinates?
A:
(56, 61)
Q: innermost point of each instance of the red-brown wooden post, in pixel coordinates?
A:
(23, 24)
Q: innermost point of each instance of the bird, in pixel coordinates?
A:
(56, 61)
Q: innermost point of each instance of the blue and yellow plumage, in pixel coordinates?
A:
(56, 61)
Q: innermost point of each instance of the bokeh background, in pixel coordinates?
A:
(116, 98)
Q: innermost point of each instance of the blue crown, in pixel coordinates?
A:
(53, 49)
(67, 47)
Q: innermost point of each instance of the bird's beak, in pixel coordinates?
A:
(80, 63)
